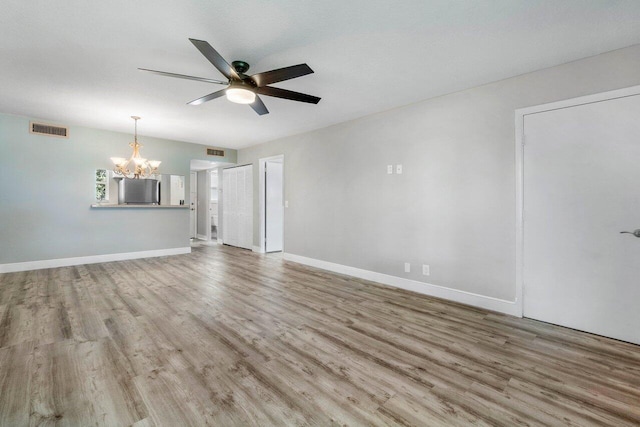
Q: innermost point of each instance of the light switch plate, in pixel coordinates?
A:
(407, 267)
(286, 203)
(390, 169)
(426, 270)
(398, 169)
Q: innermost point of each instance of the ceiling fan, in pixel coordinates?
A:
(244, 89)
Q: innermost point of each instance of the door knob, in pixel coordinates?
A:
(635, 232)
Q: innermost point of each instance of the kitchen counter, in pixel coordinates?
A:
(114, 206)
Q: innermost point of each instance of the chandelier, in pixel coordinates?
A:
(141, 166)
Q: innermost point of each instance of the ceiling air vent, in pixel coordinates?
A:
(215, 152)
(50, 130)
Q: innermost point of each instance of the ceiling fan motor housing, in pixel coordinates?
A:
(241, 67)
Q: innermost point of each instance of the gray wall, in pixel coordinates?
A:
(454, 205)
(47, 185)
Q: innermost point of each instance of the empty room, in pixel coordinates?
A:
(349, 213)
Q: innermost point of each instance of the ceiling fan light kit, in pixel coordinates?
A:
(239, 94)
(244, 89)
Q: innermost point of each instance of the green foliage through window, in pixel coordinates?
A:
(102, 185)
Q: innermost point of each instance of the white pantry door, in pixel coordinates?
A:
(581, 189)
(237, 206)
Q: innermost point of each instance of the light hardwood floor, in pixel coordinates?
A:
(227, 337)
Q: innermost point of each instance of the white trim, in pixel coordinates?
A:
(92, 259)
(581, 100)
(202, 237)
(261, 200)
(519, 209)
(520, 143)
(220, 241)
(488, 303)
(257, 249)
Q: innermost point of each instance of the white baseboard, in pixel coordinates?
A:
(92, 259)
(220, 242)
(202, 237)
(463, 297)
(257, 249)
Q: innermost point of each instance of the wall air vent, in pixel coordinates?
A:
(215, 152)
(49, 130)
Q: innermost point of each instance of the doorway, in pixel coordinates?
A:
(579, 193)
(213, 205)
(193, 200)
(272, 204)
(206, 200)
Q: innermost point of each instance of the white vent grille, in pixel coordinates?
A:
(49, 130)
(215, 152)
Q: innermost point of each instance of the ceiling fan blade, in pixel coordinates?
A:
(287, 94)
(209, 97)
(183, 76)
(281, 74)
(259, 107)
(215, 58)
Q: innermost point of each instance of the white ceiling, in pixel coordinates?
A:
(75, 61)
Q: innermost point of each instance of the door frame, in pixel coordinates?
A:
(262, 205)
(520, 141)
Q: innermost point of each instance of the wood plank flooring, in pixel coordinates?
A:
(227, 337)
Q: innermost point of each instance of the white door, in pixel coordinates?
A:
(581, 189)
(193, 189)
(237, 206)
(229, 207)
(274, 205)
(241, 207)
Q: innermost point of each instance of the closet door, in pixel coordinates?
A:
(237, 206)
(245, 206)
(229, 229)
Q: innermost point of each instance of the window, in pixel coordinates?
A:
(102, 185)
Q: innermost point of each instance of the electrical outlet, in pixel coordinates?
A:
(399, 169)
(426, 270)
(390, 169)
(407, 267)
